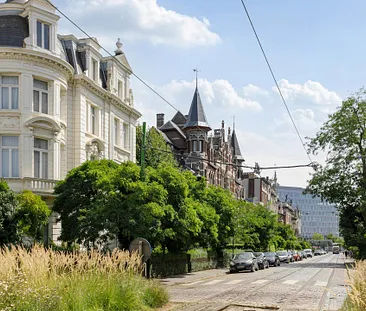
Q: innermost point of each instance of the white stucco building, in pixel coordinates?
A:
(61, 101)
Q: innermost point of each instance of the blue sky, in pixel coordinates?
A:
(316, 49)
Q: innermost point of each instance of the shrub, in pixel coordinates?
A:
(356, 300)
(46, 280)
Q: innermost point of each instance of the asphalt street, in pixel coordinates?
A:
(317, 283)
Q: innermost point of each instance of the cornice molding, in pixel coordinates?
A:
(37, 57)
(113, 99)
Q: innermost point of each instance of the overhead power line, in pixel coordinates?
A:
(166, 101)
(235, 165)
(274, 78)
(110, 54)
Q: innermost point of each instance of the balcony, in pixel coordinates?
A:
(37, 185)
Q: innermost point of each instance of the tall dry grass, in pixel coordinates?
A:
(356, 299)
(45, 280)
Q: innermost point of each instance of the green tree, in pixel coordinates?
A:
(157, 149)
(78, 195)
(32, 215)
(8, 206)
(342, 180)
(318, 236)
(225, 207)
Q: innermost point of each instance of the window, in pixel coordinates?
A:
(92, 120)
(121, 89)
(9, 156)
(43, 35)
(9, 92)
(126, 136)
(94, 70)
(116, 131)
(40, 96)
(40, 158)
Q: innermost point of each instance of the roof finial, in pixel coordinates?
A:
(234, 123)
(196, 71)
(119, 46)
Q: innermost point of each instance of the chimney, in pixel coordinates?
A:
(222, 124)
(159, 120)
(229, 131)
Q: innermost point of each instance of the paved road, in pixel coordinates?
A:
(312, 284)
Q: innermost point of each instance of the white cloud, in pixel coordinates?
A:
(139, 20)
(310, 92)
(217, 93)
(267, 137)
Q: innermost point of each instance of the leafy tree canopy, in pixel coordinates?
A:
(318, 236)
(342, 180)
(8, 206)
(157, 150)
(32, 215)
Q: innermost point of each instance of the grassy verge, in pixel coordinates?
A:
(45, 280)
(356, 300)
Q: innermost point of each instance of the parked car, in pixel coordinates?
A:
(304, 255)
(244, 261)
(262, 260)
(284, 256)
(272, 258)
(318, 252)
(309, 252)
(291, 256)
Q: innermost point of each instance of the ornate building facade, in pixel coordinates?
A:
(61, 101)
(215, 155)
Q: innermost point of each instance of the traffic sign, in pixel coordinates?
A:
(143, 247)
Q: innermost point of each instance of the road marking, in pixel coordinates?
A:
(234, 282)
(291, 282)
(320, 283)
(193, 283)
(259, 282)
(213, 282)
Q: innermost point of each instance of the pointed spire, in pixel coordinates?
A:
(236, 147)
(196, 116)
(196, 71)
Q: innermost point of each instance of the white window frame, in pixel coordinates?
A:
(10, 87)
(92, 119)
(116, 131)
(43, 153)
(41, 92)
(94, 69)
(126, 135)
(10, 149)
(42, 44)
(121, 85)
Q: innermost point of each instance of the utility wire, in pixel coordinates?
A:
(166, 101)
(274, 78)
(105, 50)
(233, 164)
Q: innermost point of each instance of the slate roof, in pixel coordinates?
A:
(196, 115)
(179, 119)
(13, 30)
(236, 147)
(172, 126)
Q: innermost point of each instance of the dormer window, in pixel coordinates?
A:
(121, 90)
(43, 35)
(94, 70)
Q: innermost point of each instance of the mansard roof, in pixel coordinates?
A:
(236, 147)
(13, 30)
(196, 115)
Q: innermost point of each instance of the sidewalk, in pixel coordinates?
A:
(192, 277)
